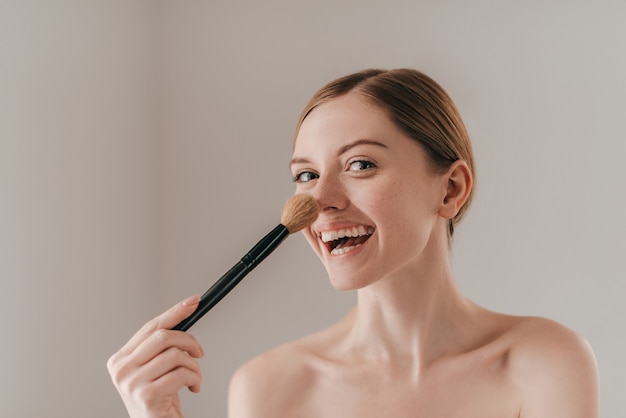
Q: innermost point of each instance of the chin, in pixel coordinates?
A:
(346, 282)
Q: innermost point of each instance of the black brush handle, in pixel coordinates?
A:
(232, 277)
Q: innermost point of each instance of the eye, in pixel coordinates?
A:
(305, 176)
(361, 165)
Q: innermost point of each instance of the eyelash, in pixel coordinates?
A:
(368, 165)
(298, 177)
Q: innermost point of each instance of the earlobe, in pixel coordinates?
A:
(459, 185)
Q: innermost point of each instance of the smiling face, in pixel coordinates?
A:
(380, 200)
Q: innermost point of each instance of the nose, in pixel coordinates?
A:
(330, 194)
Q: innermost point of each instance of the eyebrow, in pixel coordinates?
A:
(342, 150)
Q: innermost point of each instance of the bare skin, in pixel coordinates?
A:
(513, 367)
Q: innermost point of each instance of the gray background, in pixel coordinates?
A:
(144, 148)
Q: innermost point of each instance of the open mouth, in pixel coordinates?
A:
(344, 240)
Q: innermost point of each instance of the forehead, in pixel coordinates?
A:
(344, 119)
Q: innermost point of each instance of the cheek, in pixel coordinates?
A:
(312, 240)
(395, 199)
(408, 210)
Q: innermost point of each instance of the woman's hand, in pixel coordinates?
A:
(156, 363)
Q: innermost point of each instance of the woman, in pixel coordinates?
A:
(388, 159)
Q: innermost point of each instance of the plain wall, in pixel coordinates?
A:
(144, 149)
(77, 195)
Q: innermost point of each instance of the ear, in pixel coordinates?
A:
(459, 184)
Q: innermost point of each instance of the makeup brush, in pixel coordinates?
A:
(299, 212)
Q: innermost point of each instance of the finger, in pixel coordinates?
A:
(156, 349)
(166, 320)
(172, 381)
(166, 362)
(164, 387)
(162, 340)
(169, 361)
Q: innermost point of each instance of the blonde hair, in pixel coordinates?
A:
(418, 106)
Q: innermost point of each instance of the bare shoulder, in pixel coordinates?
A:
(279, 382)
(273, 383)
(555, 368)
(544, 343)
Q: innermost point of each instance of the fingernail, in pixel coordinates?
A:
(191, 300)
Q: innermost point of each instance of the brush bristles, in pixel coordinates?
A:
(299, 212)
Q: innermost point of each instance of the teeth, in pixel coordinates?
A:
(339, 251)
(330, 236)
(347, 232)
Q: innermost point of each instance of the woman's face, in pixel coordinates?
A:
(379, 199)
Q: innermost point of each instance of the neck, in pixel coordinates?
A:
(415, 315)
